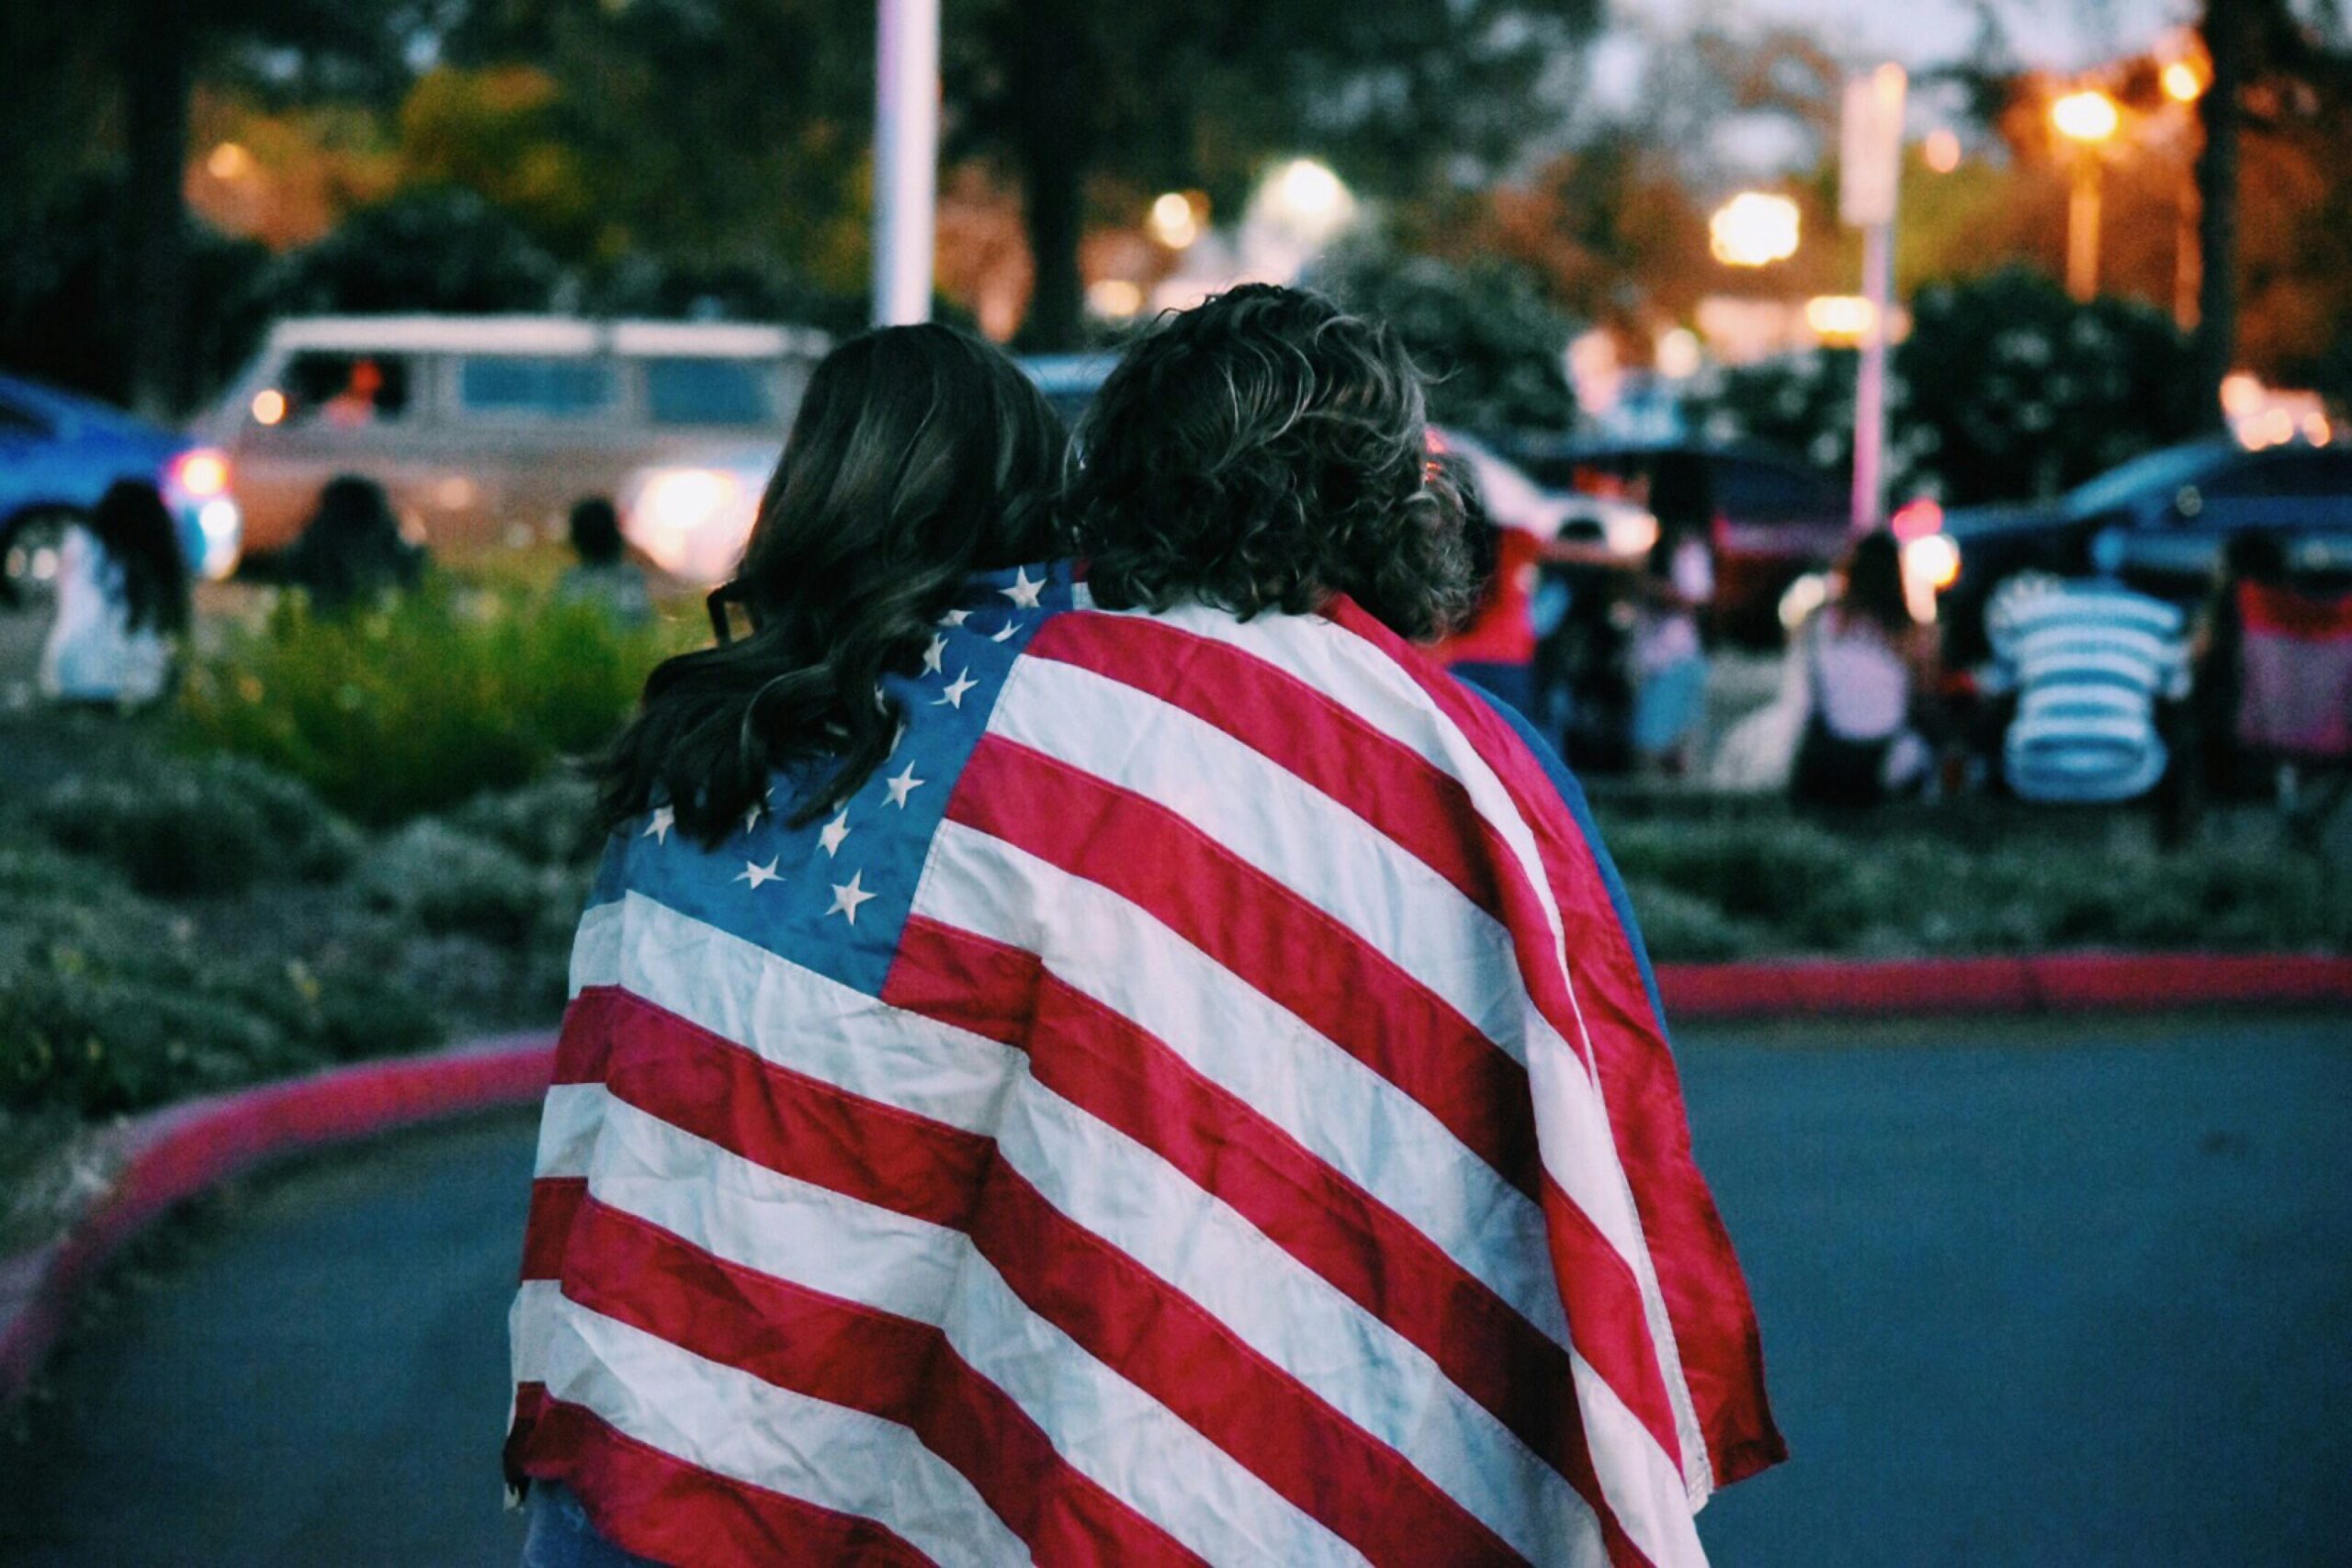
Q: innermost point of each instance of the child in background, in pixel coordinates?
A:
(1670, 661)
(604, 575)
(122, 597)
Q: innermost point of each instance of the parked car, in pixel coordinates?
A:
(58, 453)
(485, 429)
(2169, 513)
(1777, 517)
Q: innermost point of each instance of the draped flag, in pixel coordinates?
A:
(1199, 1101)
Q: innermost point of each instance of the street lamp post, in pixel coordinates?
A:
(2089, 119)
(1870, 164)
(906, 157)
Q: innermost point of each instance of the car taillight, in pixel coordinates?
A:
(200, 473)
(1917, 519)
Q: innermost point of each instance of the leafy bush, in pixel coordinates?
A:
(109, 1002)
(211, 827)
(421, 706)
(444, 880)
(1493, 345)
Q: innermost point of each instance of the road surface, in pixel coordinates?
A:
(2033, 1292)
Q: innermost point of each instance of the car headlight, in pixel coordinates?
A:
(692, 521)
(1934, 560)
(223, 527)
(1630, 533)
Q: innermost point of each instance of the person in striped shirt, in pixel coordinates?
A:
(2088, 662)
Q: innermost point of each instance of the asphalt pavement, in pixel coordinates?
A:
(2033, 1292)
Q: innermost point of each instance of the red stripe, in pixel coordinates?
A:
(858, 1356)
(1263, 934)
(1129, 1080)
(1119, 1312)
(546, 1234)
(1419, 806)
(658, 1505)
(1699, 1276)
(1303, 729)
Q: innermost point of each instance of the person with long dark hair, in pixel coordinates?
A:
(351, 554)
(1867, 663)
(122, 601)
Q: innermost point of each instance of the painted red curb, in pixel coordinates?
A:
(183, 1150)
(2066, 982)
(179, 1152)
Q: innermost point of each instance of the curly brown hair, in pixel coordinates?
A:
(1267, 451)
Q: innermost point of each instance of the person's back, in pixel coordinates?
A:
(351, 555)
(2088, 660)
(121, 595)
(603, 575)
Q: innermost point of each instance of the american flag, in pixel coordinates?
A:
(1199, 1101)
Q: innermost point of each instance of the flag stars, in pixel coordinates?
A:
(955, 618)
(659, 828)
(758, 875)
(932, 655)
(1004, 633)
(903, 784)
(954, 697)
(848, 895)
(752, 817)
(830, 837)
(1024, 592)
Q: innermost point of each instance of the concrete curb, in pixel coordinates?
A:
(177, 1153)
(174, 1154)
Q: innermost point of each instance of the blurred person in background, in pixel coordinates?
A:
(351, 554)
(603, 575)
(2090, 662)
(1867, 663)
(122, 600)
(1676, 586)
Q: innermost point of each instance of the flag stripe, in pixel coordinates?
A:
(1262, 933)
(747, 1213)
(1197, 1366)
(1109, 1067)
(747, 1431)
(863, 1358)
(1304, 730)
(657, 1505)
(1350, 1118)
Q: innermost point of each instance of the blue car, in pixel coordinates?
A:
(58, 453)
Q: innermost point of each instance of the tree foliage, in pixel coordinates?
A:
(1484, 330)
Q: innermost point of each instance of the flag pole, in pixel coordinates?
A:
(906, 157)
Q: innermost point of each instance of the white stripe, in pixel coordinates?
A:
(1338, 1110)
(734, 1425)
(1368, 683)
(1106, 1428)
(596, 949)
(1281, 825)
(568, 1122)
(1304, 1326)
(795, 1017)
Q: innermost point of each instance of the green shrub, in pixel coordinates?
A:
(214, 826)
(444, 880)
(549, 823)
(446, 694)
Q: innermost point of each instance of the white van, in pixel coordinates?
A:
(484, 430)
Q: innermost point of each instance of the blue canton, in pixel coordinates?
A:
(835, 895)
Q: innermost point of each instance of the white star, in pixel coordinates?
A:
(1024, 592)
(659, 828)
(934, 654)
(956, 688)
(848, 895)
(831, 836)
(752, 817)
(902, 785)
(755, 874)
(1005, 633)
(955, 618)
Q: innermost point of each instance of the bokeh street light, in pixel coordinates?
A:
(2088, 118)
(2183, 83)
(1941, 149)
(1173, 223)
(1753, 229)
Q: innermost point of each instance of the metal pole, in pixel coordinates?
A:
(1869, 385)
(906, 157)
(2082, 229)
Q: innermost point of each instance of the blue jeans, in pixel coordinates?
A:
(559, 1535)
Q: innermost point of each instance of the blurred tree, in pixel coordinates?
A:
(1398, 94)
(498, 131)
(2005, 389)
(1494, 346)
(435, 248)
